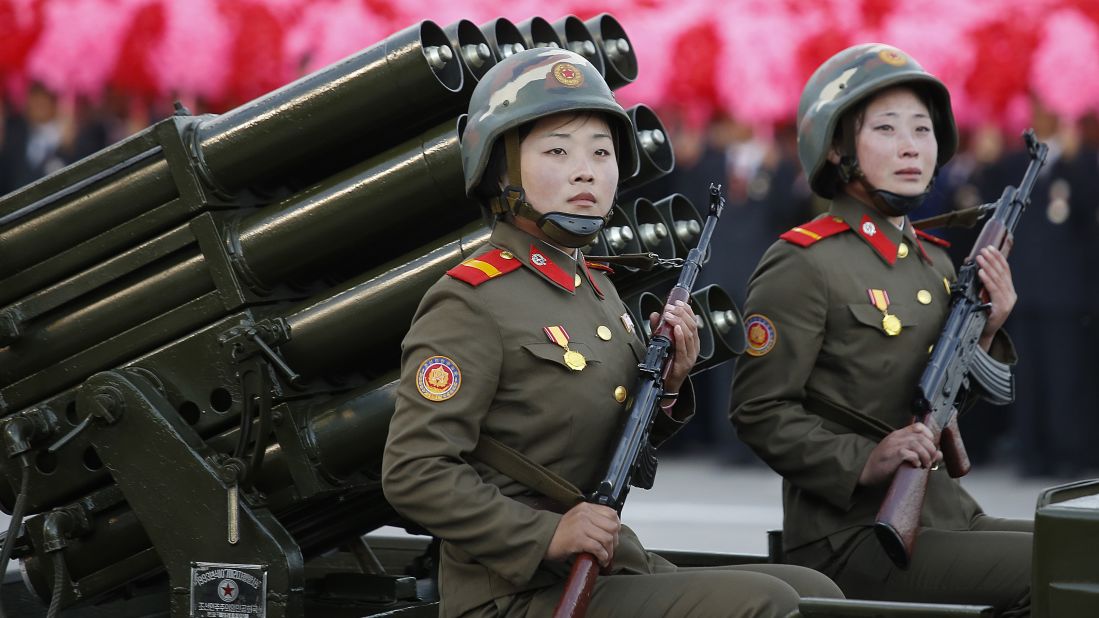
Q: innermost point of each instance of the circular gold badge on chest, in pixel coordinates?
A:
(604, 333)
(902, 250)
(620, 394)
(924, 297)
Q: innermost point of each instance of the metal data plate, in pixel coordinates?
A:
(228, 590)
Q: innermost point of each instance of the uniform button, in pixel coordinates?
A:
(838, 219)
(946, 284)
(924, 297)
(604, 333)
(507, 255)
(902, 250)
(577, 280)
(929, 348)
(620, 394)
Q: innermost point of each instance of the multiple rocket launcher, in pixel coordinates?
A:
(200, 325)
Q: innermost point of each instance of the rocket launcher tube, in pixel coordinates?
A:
(375, 92)
(412, 182)
(378, 94)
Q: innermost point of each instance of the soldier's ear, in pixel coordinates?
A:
(834, 156)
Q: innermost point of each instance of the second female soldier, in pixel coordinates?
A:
(527, 348)
(842, 312)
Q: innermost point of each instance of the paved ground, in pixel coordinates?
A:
(700, 505)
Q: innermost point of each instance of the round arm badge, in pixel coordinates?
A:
(438, 378)
(761, 334)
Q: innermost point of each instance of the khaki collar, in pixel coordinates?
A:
(878, 232)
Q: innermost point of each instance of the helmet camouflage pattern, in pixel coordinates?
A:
(841, 83)
(532, 84)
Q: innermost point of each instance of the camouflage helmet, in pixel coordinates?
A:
(841, 83)
(532, 84)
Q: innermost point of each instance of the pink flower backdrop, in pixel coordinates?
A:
(745, 58)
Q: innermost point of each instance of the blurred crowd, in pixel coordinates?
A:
(1055, 324)
(43, 133)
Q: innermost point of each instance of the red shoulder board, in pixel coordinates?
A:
(809, 233)
(933, 239)
(600, 266)
(479, 269)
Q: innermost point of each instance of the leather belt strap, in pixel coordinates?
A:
(515, 465)
(858, 423)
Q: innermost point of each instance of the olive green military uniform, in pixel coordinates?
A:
(478, 361)
(823, 382)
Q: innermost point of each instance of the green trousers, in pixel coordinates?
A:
(742, 591)
(988, 564)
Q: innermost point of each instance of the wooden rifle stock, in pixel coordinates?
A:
(578, 587)
(899, 516)
(954, 455)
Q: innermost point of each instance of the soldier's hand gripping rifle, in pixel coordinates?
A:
(957, 361)
(634, 459)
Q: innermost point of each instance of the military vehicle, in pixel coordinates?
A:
(200, 329)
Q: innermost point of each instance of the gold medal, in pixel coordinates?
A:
(575, 360)
(891, 324)
(604, 333)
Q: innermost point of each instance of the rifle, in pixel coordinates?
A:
(957, 361)
(634, 460)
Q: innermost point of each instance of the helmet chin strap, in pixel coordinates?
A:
(565, 229)
(894, 204)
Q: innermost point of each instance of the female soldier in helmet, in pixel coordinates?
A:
(527, 349)
(841, 314)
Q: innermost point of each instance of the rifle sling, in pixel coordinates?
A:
(866, 427)
(520, 468)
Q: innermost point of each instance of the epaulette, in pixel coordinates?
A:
(600, 266)
(479, 269)
(809, 233)
(933, 239)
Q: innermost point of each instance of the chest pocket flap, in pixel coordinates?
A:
(556, 354)
(869, 315)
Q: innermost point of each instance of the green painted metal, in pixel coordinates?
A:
(654, 147)
(850, 608)
(373, 311)
(381, 93)
(722, 320)
(1066, 573)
